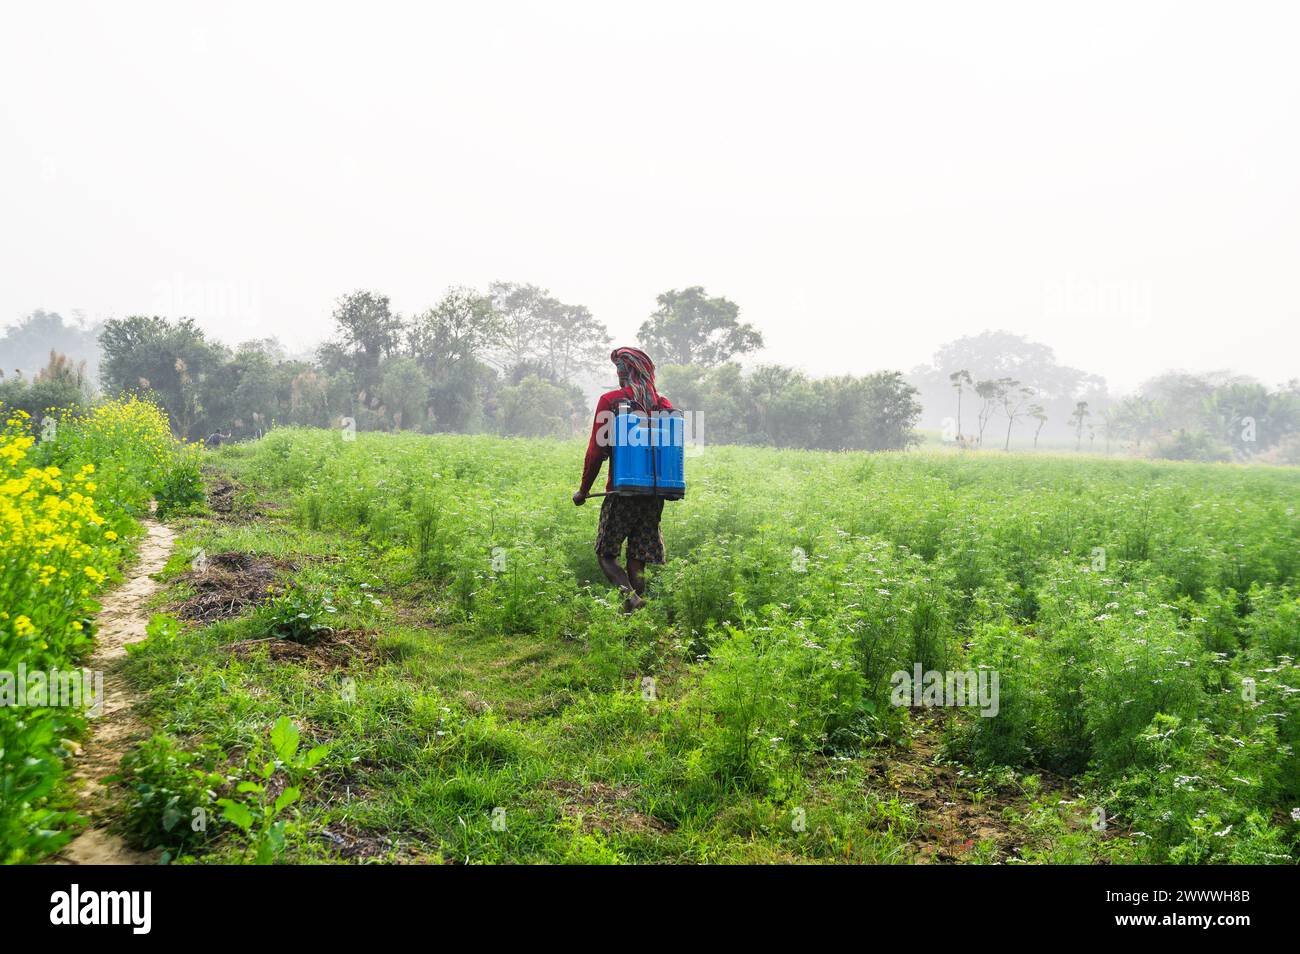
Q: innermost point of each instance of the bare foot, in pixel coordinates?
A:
(632, 603)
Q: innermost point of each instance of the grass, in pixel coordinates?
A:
(484, 700)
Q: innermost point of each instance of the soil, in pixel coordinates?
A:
(957, 811)
(336, 650)
(225, 584)
(600, 807)
(357, 846)
(221, 496)
(231, 502)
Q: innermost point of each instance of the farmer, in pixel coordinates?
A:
(632, 518)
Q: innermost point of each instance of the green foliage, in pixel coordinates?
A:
(1191, 445)
(179, 489)
(1193, 799)
(778, 690)
(536, 407)
(31, 766)
(171, 795)
(781, 407)
(297, 613)
(172, 360)
(57, 388)
(1109, 597)
(689, 327)
(271, 787)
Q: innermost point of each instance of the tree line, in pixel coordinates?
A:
(514, 360)
(511, 360)
(996, 388)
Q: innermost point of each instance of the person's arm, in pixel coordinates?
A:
(596, 452)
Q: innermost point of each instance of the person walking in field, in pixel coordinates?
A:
(632, 518)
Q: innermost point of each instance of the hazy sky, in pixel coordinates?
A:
(867, 182)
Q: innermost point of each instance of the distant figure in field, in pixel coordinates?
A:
(633, 518)
(216, 439)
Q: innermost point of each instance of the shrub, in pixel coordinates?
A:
(180, 488)
(172, 792)
(298, 614)
(265, 814)
(1191, 445)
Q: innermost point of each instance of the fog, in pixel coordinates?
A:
(1115, 180)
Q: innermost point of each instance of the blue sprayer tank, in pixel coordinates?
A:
(648, 452)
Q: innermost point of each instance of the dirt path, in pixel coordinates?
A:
(122, 620)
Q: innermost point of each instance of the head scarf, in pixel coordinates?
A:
(640, 372)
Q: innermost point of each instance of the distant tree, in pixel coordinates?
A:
(536, 407)
(211, 398)
(689, 327)
(404, 391)
(688, 386)
(1079, 420)
(463, 397)
(270, 347)
(526, 313)
(1014, 397)
(1079, 416)
(991, 355)
(542, 335)
(780, 399)
(60, 386)
(462, 326)
(1137, 418)
(958, 379)
(264, 392)
(368, 331)
(27, 344)
(309, 399)
(892, 411)
(1109, 426)
(780, 406)
(449, 342)
(841, 415)
(718, 398)
(576, 342)
(1037, 412)
(990, 393)
(1248, 418)
(171, 359)
(1179, 399)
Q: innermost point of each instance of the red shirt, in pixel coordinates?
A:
(596, 453)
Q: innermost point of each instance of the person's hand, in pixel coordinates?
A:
(579, 498)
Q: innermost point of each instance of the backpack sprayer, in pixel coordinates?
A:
(647, 453)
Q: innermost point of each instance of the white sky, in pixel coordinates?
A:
(867, 182)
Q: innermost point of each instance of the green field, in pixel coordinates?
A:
(430, 609)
